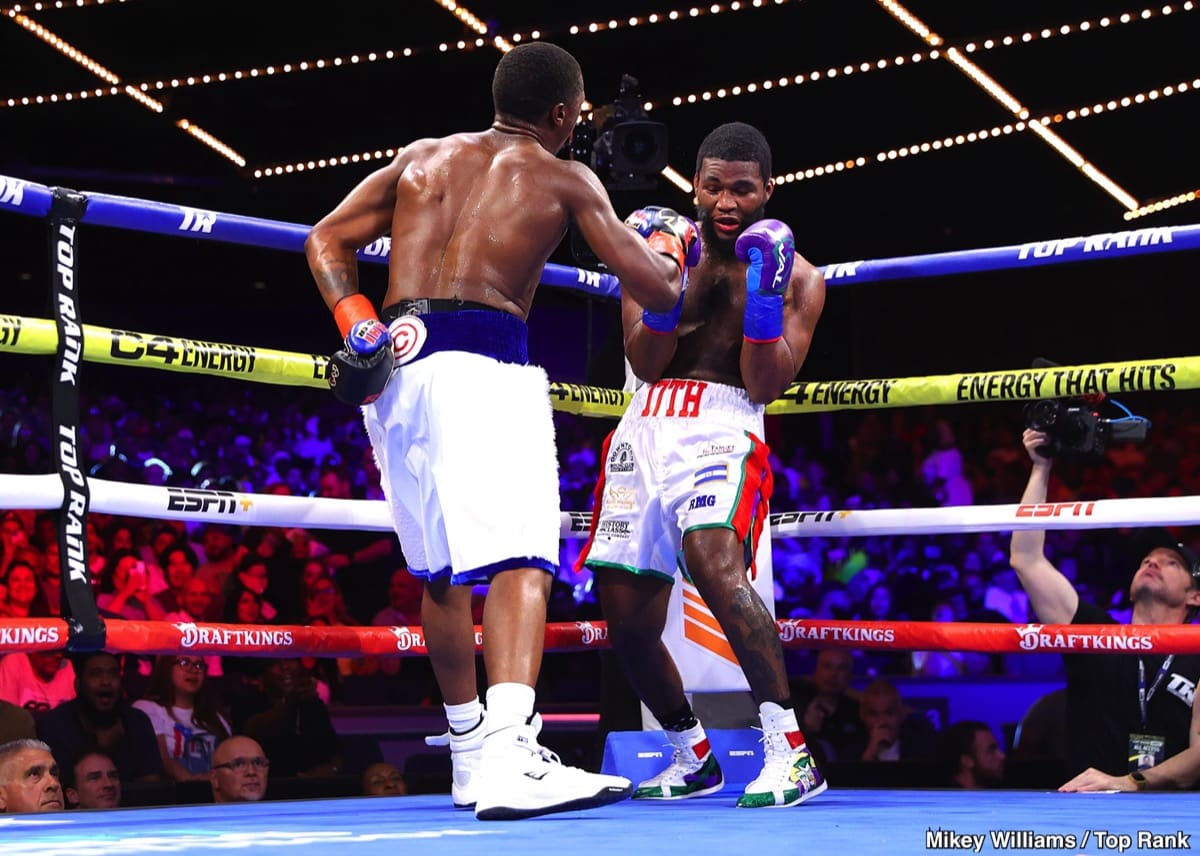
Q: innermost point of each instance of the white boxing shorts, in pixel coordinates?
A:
(686, 455)
(464, 438)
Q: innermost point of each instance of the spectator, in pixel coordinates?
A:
(23, 597)
(1042, 731)
(360, 560)
(1006, 597)
(891, 733)
(239, 771)
(13, 538)
(1124, 712)
(125, 592)
(36, 681)
(16, 723)
(382, 779)
(99, 717)
(179, 564)
(28, 778)
(242, 605)
(404, 601)
(249, 575)
(182, 707)
(94, 782)
(971, 755)
(323, 599)
(196, 602)
(219, 555)
(942, 468)
(294, 727)
(50, 578)
(829, 716)
(939, 664)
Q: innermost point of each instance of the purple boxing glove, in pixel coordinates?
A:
(770, 249)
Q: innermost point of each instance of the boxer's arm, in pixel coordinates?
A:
(768, 368)
(652, 279)
(648, 352)
(364, 215)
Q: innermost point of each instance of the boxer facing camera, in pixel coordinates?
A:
(624, 148)
(1075, 428)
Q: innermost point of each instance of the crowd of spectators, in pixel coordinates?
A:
(198, 433)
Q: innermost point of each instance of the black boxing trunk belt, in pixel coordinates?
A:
(464, 325)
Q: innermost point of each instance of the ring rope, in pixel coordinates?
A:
(142, 215)
(252, 509)
(241, 640)
(27, 197)
(38, 336)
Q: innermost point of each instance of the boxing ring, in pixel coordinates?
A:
(896, 821)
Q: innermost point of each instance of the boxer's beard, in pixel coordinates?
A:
(717, 245)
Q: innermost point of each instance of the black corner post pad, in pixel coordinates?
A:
(85, 627)
(67, 204)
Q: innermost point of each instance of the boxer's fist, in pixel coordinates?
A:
(357, 379)
(769, 250)
(360, 370)
(668, 232)
(367, 336)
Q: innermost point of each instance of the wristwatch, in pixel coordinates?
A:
(1139, 781)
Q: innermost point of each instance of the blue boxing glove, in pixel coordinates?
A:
(674, 235)
(770, 249)
(360, 370)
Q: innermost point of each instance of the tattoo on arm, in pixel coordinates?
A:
(336, 277)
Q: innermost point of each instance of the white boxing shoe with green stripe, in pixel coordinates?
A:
(693, 771)
(789, 775)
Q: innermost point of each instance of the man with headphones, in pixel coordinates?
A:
(1127, 712)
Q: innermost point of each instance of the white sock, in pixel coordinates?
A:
(776, 718)
(464, 717)
(509, 704)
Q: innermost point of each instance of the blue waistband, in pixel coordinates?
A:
(488, 332)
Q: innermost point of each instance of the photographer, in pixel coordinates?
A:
(1125, 712)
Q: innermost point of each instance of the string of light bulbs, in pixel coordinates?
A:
(1002, 96)
(58, 4)
(965, 138)
(108, 76)
(995, 132)
(838, 166)
(502, 43)
(884, 63)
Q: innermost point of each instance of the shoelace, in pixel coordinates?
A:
(777, 751)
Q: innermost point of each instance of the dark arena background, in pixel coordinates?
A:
(888, 141)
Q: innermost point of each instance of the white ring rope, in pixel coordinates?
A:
(254, 509)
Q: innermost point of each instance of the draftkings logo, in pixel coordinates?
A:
(1034, 637)
(407, 639)
(590, 634)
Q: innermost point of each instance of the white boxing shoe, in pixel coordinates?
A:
(465, 752)
(519, 778)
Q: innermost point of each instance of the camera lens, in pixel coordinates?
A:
(639, 147)
(1042, 415)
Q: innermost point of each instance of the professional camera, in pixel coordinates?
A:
(623, 147)
(1077, 431)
